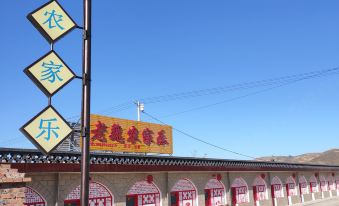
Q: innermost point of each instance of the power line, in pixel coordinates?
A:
(129, 106)
(243, 96)
(120, 107)
(110, 110)
(281, 81)
(314, 75)
(198, 139)
(221, 90)
(241, 86)
(275, 82)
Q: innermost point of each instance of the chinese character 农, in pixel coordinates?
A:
(161, 139)
(147, 136)
(99, 132)
(116, 134)
(46, 126)
(53, 20)
(51, 72)
(133, 134)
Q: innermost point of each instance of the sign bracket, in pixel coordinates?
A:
(80, 27)
(78, 77)
(85, 79)
(85, 131)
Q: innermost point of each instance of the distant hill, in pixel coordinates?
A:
(328, 157)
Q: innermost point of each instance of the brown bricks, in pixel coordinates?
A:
(12, 186)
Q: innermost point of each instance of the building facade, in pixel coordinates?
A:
(134, 180)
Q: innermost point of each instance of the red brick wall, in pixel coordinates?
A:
(12, 186)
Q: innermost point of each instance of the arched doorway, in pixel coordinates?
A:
(184, 193)
(259, 190)
(303, 187)
(291, 189)
(215, 193)
(99, 195)
(323, 184)
(313, 186)
(239, 190)
(276, 189)
(33, 198)
(336, 180)
(330, 183)
(143, 193)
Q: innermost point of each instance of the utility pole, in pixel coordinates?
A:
(140, 108)
(86, 100)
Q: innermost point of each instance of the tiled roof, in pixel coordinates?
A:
(115, 162)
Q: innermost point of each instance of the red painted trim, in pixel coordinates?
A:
(62, 167)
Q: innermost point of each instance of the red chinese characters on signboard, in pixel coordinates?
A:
(133, 134)
(116, 134)
(161, 139)
(99, 132)
(121, 135)
(147, 136)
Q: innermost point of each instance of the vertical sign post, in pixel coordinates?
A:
(86, 95)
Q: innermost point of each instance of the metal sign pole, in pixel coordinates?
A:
(86, 94)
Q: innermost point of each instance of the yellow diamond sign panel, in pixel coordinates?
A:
(52, 21)
(47, 130)
(50, 73)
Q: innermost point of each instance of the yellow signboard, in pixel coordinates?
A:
(121, 135)
(52, 21)
(50, 73)
(47, 129)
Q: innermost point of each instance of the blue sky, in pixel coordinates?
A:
(151, 47)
